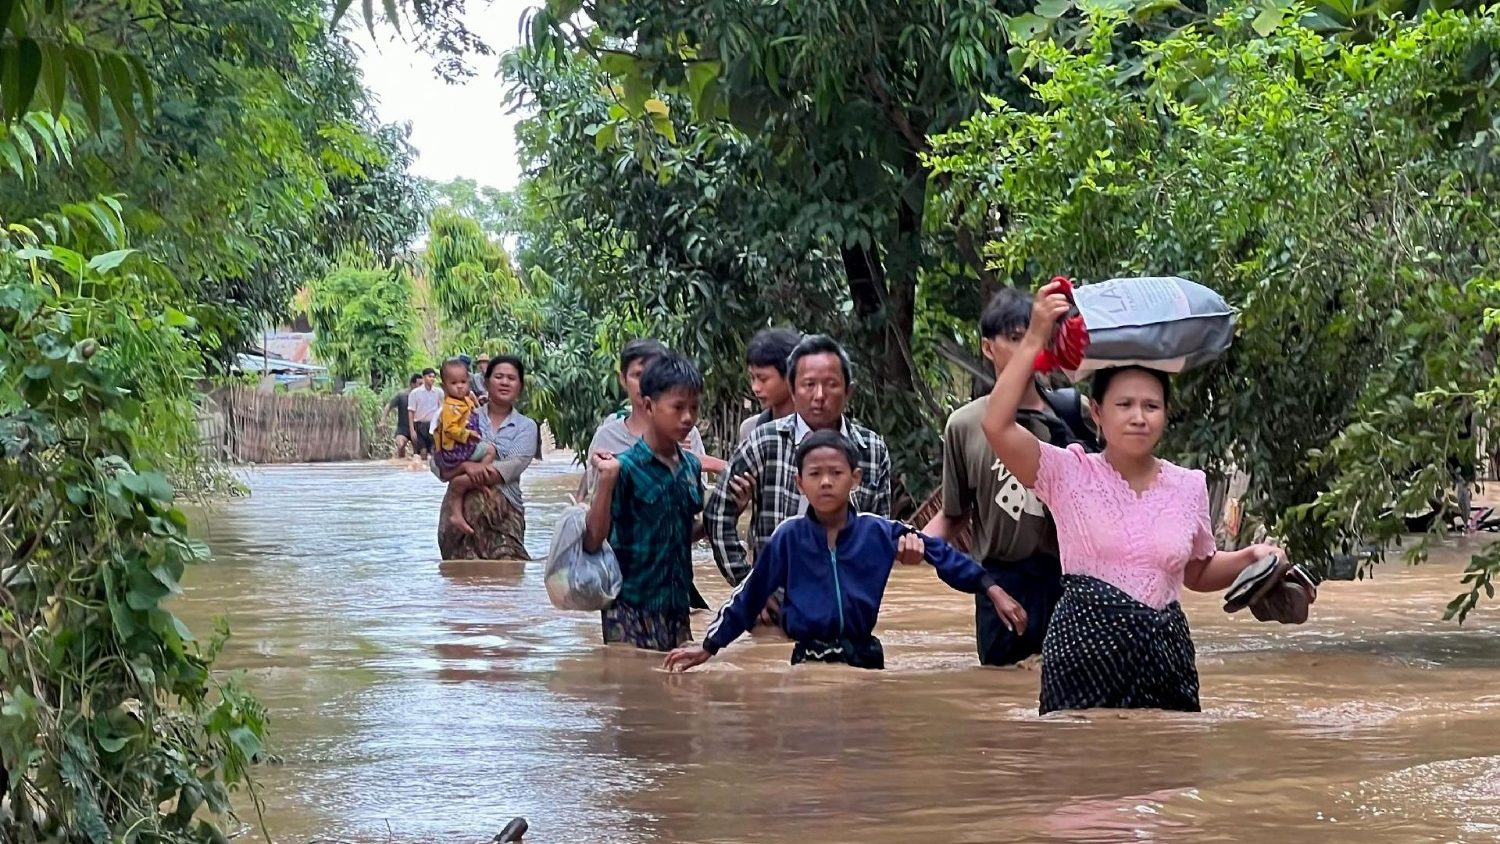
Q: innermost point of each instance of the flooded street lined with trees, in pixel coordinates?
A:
(439, 700)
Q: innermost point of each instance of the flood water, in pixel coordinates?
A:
(415, 703)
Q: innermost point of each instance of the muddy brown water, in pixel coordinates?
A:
(414, 703)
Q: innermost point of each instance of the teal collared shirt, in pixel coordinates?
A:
(654, 513)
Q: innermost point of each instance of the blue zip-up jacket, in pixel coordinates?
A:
(833, 593)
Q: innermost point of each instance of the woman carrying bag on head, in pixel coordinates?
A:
(1133, 530)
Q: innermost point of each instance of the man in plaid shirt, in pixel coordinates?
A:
(820, 373)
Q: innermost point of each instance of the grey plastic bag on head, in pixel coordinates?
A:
(577, 580)
(1162, 322)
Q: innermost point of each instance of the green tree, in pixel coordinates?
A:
(481, 300)
(494, 210)
(261, 159)
(110, 718)
(364, 322)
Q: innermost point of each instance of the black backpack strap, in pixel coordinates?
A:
(1067, 403)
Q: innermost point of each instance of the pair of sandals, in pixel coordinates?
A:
(1274, 590)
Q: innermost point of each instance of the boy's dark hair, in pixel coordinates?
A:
(1009, 311)
(1099, 384)
(428, 371)
(670, 371)
(827, 439)
(819, 344)
(453, 363)
(510, 359)
(412, 381)
(772, 347)
(644, 349)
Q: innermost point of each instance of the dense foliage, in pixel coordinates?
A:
(258, 161)
(1340, 196)
(364, 321)
(111, 720)
(172, 170)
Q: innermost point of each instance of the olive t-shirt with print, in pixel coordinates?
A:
(1008, 520)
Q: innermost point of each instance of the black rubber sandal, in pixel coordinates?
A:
(1258, 578)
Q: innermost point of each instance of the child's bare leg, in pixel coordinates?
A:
(453, 504)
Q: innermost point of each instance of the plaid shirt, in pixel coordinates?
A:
(768, 454)
(652, 515)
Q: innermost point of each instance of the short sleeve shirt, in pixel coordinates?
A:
(1010, 522)
(654, 513)
(1139, 543)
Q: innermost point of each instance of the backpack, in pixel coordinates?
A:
(1067, 403)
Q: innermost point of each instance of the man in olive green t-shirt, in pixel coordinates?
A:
(1014, 536)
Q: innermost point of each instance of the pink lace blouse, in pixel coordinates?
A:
(1138, 543)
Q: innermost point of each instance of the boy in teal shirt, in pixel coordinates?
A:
(647, 505)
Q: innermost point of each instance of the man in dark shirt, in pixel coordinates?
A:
(398, 404)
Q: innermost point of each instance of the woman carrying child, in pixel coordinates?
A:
(515, 440)
(1133, 530)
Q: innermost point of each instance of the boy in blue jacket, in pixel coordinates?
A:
(834, 564)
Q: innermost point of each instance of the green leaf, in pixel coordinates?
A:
(605, 137)
(12, 156)
(1053, 9)
(635, 92)
(620, 65)
(656, 107)
(118, 611)
(143, 84)
(167, 579)
(1023, 28)
(55, 66)
(38, 372)
(664, 127)
(246, 741)
(7, 12)
(182, 629)
(30, 70)
(109, 260)
(702, 80)
(85, 71)
(118, 81)
(112, 744)
(1267, 21)
(23, 140)
(339, 8)
(43, 126)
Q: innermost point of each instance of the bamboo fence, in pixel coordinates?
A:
(284, 427)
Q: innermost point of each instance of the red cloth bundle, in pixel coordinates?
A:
(1070, 339)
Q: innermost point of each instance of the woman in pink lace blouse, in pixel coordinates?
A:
(1133, 530)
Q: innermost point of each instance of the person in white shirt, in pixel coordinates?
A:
(423, 405)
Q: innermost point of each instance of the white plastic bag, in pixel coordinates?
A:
(577, 580)
(1164, 323)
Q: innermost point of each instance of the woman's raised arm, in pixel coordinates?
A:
(1018, 448)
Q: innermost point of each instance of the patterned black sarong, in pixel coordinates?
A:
(862, 653)
(1106, 650)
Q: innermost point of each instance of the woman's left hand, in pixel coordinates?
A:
(482, 474)
(1261, 550)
